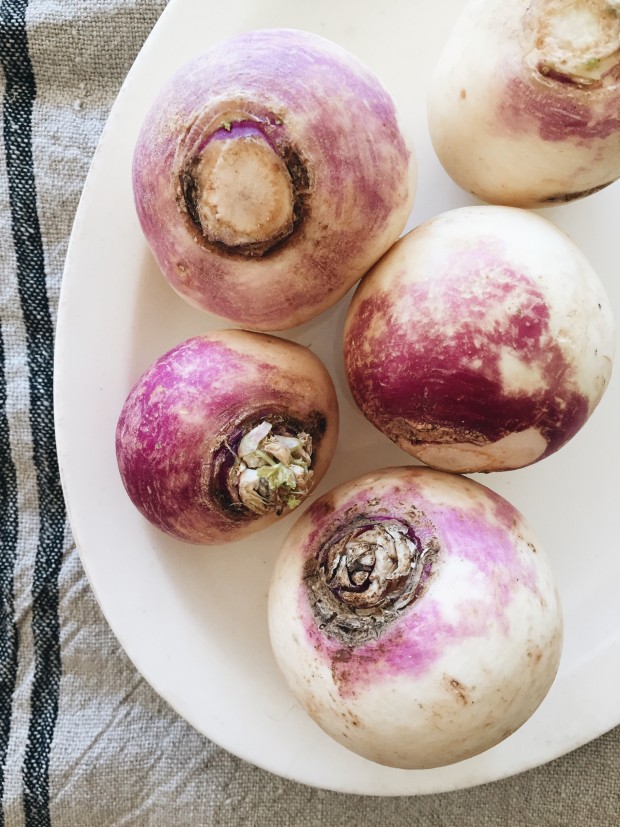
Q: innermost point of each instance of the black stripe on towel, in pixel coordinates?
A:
(8, 549)
(17, 122)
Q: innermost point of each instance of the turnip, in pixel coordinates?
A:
(226, 432)
(482, 341)
(524, 105)
(414, 616)
(269, 175)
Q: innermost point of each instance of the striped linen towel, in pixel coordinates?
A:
(83, 739)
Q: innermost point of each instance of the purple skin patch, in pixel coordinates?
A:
(313, 99)
(484, 535)
(167, 428)
(557, 112)
(444, 369)
(240, 129)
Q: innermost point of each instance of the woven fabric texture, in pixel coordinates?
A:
(84, 740)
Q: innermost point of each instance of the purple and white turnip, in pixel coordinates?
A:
(524, 105)
(414, 616)
(482, 341)
(226, 432)
(269, 175)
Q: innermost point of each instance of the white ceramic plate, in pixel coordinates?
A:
(194, 620)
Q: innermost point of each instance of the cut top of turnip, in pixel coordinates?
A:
(572, 42)
(237, 188)
(366, 575)
(271, 470)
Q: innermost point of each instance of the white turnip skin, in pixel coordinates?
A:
(269, 175)
(482, 341)
(414, 616)
(524, 104)
(225, 433)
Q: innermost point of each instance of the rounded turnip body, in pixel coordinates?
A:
(269, 175)
(524, 106)
(226, 432)
(414, 616)
(482, 341)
